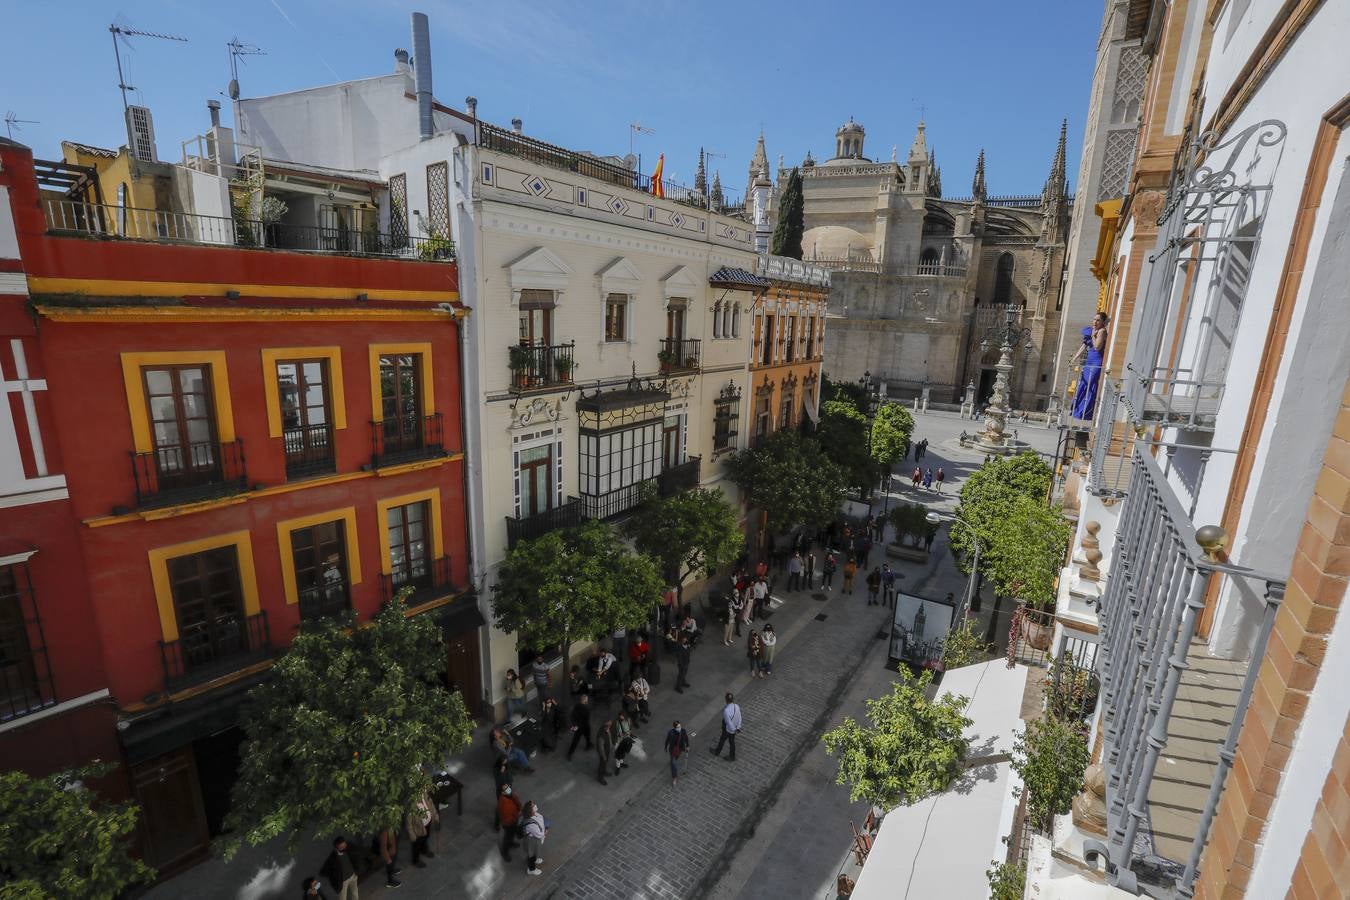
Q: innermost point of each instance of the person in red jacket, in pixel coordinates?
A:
(508, 810)
(637, 655)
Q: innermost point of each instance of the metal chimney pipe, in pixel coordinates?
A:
(421, 40)
(214, 107)
(471, 104)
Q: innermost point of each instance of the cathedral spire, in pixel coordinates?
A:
(701, 176)
(978, 190)
(1056, 186)
(716, 196)
(759, 161)
(918, 151)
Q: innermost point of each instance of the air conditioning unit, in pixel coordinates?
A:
(141, 133)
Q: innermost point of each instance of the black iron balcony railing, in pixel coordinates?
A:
(682, 477)
(540, 365)
(679, 354)
(187, 473)
(1169, 397)
(208, 650)
(168, 227)
(429, 580)
(309, 450)
(406, 439)
(25, 672)
(527, 528)
(614, 503)
(322, 601)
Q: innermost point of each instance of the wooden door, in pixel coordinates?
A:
(173, 823)
(463, 669)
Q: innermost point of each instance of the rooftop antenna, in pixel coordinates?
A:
(123, 33)
(13, 123)
(238, 49)
(634, 129)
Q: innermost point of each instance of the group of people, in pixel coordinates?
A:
(927, 478)
(340, 868)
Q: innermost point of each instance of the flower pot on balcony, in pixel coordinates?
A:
(667, 359)
(564, 368)
(1038, 635)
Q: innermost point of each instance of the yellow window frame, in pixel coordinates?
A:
(382, 508)
(428, 392)
(272, 392)
(139, 409)
(159, 575)
(284, 529)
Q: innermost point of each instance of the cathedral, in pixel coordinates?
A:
(921, 281)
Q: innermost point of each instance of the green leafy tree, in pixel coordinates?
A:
(57, 841)
(341, 736)
(1050, 757)
(791, 479)
(910, 520)
(913, 747)
(692, 533)
(1007, 881)
(963, 647)
(843, 436)
(891, 431)
(787, 233)
(571, 584)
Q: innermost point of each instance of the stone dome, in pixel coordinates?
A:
(850, 127)
(835, 242)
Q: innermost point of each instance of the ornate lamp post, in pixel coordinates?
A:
(1007, 334)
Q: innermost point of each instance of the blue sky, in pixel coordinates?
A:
(988, 73)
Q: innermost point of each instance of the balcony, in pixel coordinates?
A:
(324, 601)
(1172, 715)
(616, 502)
(1170, 398)
(527, 528)
(679, 354)
(189, 473)
(211, 649)
(429, 580)
(939, 270)
(407, 439)
(25, 671)
(543, 366)
(309, 451)
(682, 477)
(76, 217)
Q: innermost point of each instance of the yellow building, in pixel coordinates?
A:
(788, 345)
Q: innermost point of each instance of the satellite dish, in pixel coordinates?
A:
(234, 89)
(630, 161)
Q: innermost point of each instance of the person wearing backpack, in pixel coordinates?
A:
(677, 744)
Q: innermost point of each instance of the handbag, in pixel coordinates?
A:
(624, 746)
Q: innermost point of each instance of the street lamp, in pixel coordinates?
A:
(1006, 335)
(871, 402)
(935, 519)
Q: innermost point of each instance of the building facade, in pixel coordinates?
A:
(253, 439)
(918, 279)
(1208, 562)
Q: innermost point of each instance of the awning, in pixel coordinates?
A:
(460, 616)
(737, 279)
(177, 724)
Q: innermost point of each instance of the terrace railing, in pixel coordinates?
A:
(528, 528)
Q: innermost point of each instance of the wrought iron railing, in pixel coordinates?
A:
(535, 366)
(1031, 633)
(188, 473)
(681, 477)
(616, 502)
(25, 672)
(309, 450)
(324, 600)
(167, 226)
(428, 579)
(1154, 595)
(528, 528)
(679, 354)
(211, 649)
(406, 439)
(1167, 398)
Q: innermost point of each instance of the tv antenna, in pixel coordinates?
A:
(13, 123)
(634, 129)
(238, 49)
(122, 33)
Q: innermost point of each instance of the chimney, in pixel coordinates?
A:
(214, 107)
(471, 104)
(517, 126)
(401, 66)
(421, 38)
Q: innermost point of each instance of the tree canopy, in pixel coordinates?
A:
(913, 747)
(787, 232)
(573, 583)
(843, 436)
(791, 479)
(1050, 756)
(340, 738)
(691, 533)
(57, 841)
(891, 431)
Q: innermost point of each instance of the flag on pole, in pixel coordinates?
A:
(657, 188)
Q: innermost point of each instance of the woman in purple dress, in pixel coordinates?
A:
(1094, 345)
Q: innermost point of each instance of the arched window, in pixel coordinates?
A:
(717, 319)
(1003, 279)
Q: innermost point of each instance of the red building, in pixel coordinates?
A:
(251, 439)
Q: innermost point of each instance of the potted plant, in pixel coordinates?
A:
(564, 366)
(518, 362)
(667, 359)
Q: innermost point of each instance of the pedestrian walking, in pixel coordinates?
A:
(550, 725)
(515, 695)
(810, 573)
(418, 823)
(682, 665)
(668, 601)
(581, 724)
(310, 889)
(761, 590)
(887, 585)
(874, 587)
(762, 570)
(827, 573)
(733, 615)
(508, 814)
(641, 691)
(941, 477)
(623, 740)
(928, 479)
(340, 871)
(928, 536)
(677, 743)
(731, 726)
(541, 674)
(747, 608)
(923, 448)
(387, 845)
(769, 640)
(604, 750)
(505, 748)
(850, 570)
(864, 551)
(795, 571)
(638, 651)
(916, 477)
(535, 829)
(754, 651)
(501, 777)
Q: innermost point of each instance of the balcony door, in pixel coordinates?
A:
(182, 423)
(409, 559)
(536, 326)
(670, 443)
(209, 605)
(320, 556)
(536, 480)
(306, 415)
(675, 314)
(401, 401)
